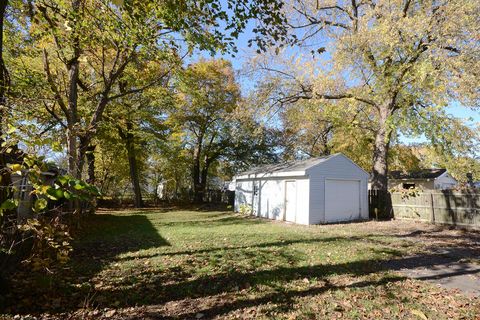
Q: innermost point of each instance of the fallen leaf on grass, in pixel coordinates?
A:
(419, 313)
(110, 313)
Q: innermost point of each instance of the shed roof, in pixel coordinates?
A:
(290, 166)
(419, 174)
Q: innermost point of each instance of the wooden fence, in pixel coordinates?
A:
(436, 206)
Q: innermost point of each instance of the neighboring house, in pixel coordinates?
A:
(160, 191)
(23, 190)
(318, 190)
(426, 179)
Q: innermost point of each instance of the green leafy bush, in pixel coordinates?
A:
(47, 229)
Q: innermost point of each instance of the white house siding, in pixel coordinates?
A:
(338, 167)
(419, 183)
(445, 181)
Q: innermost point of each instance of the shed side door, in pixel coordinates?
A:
(342, 200)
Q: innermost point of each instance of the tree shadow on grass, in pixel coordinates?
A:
(105, 237)
(160, 291)
(284, 300)
(272, 244)
(158, 288)
(112, 235)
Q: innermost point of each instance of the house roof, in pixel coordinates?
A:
(420, 174)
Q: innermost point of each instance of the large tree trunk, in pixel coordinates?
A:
(204, 175)
(4, 79)
(380, 163)
(71, 150)
(198, 183)
(72, 117)
(90, 155)
(83, 147)
(380, 152)
(134, 174)
(5, 179)
(128, 139)
(73, 76)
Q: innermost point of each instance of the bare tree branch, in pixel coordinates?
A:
(345, 96)
(53, 86)
(54, 115)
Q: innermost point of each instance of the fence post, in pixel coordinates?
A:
(432, 216)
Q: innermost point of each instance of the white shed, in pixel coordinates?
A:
(317, 190)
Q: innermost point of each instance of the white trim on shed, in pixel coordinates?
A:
(264, 191)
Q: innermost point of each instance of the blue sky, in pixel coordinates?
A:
(470, 116)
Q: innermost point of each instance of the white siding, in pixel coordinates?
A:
(243, 194)
(423, 184)
(271, 199)
(310, 190)
(445, 181)
(339, 167)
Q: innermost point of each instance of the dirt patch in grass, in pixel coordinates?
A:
(174, 264)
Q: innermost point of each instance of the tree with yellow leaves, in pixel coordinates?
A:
(398, 63)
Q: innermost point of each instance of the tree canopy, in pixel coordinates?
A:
(389, 68)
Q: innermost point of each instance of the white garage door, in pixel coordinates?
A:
(342, 200)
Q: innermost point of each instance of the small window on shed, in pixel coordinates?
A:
(408, 186)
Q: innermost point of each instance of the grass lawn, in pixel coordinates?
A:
(193, 264)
